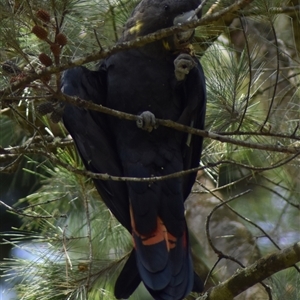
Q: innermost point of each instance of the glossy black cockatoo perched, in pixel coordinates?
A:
(163, 80)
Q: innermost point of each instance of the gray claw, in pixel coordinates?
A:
(183, 64)
(146, 121)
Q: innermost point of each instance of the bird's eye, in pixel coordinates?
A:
(166, 7)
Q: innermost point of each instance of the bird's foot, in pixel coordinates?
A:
(146, 121)
(183, 63)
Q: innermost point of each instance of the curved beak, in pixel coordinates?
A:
(183, 38)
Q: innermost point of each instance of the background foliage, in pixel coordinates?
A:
(68, 245)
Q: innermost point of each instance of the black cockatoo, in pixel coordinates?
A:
(164, 80)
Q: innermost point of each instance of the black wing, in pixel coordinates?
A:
(93, 138)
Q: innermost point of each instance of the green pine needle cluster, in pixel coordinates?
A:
(74, 247)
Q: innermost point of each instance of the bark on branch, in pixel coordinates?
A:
(255, 273)
(291, 149)
(209, 19)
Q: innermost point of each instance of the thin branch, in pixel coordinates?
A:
(259, 271)
(272, 10)
(263, 133)
(221, 254)
(250, 74)
(111, 10)
(20, 209)
(208, 218)
(89, 235)
(102, 176)
(291, 149)
(239, 215)
(217, 251)
(171, 124)
(140, 41)
(16, 211)
(280, 196)
(277, 75)
(198, 9)
(68, 260)
(97, 39)
(212, 269)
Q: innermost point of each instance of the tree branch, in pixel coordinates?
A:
(259, 271)
(102, 176)
(223, 138)
(209, 19)
(291, 149)
(273, 10)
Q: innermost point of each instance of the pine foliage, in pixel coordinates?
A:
(70, 246)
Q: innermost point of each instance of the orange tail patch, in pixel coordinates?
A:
(158, 235)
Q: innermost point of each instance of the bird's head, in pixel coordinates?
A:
(152, 15)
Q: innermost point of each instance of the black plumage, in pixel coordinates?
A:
(159, 80)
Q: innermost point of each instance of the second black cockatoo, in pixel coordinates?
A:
(164, 80)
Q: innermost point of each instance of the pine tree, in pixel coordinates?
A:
(245, 203)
